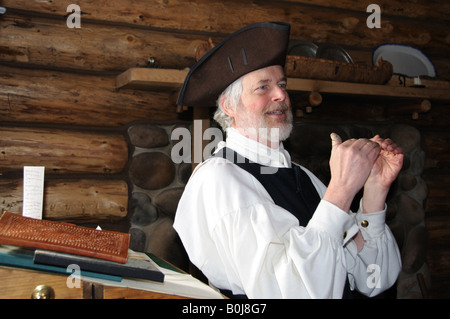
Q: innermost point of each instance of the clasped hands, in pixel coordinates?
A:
(355, 163)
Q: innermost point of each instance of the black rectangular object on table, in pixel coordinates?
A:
(138, 265)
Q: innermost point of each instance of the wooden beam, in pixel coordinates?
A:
(319, 19)
(93, 47)
(72, 200)
(142, 78)
(146, 78)
(42, 96)
(62, 151)
(308, 85)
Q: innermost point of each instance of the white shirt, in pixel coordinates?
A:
(243, 242)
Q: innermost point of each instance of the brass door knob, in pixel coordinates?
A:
(43, 292)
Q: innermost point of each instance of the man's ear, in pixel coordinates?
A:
(230, 111)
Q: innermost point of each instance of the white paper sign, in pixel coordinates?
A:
(33, 191)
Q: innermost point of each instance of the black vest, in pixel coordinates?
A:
(290, 188)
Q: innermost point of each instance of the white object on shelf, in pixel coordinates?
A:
(405, 60)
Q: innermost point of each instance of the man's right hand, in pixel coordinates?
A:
(351, 162)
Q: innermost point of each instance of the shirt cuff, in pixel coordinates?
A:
(371, 225)
(331, 219)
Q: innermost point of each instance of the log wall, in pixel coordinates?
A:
(59, 106)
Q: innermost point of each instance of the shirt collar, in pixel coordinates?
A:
(255, 151)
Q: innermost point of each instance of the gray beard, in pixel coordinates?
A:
(276, 134)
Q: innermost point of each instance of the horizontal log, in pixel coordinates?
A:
(167, 35)
(422, 9)
(84, 200)
(139, 11)
(215, 16)
(50, 43)
(40, 96)
(62, 151)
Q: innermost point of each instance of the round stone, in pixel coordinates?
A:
(148, 136)
(152, 171)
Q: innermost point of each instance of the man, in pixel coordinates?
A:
(260, 226)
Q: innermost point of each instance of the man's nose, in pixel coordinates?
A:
(279, 94)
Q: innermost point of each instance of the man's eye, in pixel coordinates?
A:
(282, 85)
(262, 87)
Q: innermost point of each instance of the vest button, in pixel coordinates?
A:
(364, 223)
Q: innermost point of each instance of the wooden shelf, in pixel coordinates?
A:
(149, 79)
(296, 84)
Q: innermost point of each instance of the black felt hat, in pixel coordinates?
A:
(251, 48)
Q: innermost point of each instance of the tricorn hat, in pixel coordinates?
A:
(251, 48)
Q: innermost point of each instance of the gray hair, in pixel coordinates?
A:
(229, 98)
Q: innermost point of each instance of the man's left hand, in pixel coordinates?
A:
(388, 163)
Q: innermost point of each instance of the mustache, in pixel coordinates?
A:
(278, 107)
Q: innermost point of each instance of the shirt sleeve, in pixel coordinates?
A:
(243, 242)
(377, 266)
(272, 257)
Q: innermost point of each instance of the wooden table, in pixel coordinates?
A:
(19, 283)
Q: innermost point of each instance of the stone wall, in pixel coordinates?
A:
(158, 184)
